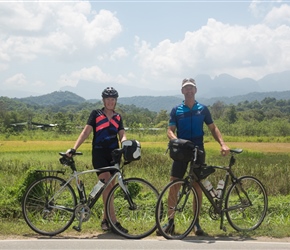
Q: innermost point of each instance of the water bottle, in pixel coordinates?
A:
(210, 188)
(96, 188)
(219, 188)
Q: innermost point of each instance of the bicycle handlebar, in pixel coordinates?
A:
(76, 153)
(69, 161)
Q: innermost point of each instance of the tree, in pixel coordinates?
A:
(217, 109)
(231, 115)
(161, 116)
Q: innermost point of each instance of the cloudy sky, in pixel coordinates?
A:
(47, 45)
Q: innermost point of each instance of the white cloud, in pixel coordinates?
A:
(20, 17)
(94, 74)
(258, 9)
(4, 56)
(71, 37)
(217, 48)
(38, 84)
(162, 59)
(278, 16)
(103, 28)
(16, 81)
(119, 53)
(30, 30)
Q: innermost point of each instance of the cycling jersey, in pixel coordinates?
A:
(105, 130)
(189, 122)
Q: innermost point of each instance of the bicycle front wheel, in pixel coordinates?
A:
(176, 210)
(48, 205)
(246, 204)
(139, 221)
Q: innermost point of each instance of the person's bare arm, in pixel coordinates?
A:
(83, 136)
(171, 132)
(218, 137)
(122, 135)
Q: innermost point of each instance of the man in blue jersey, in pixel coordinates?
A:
(186, 122)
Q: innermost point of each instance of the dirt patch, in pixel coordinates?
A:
(262, 146)
(110, 235)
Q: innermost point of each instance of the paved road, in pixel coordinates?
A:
(150, 244)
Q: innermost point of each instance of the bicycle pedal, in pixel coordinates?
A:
(77, 228)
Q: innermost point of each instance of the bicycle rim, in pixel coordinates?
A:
(244, 216)
(140, 222)
(45, 215)
(175, 216)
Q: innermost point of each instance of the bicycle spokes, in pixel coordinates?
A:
(246, 204)
(45, 212)
(178, 203)
(134, 210)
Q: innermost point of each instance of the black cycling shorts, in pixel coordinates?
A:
(102, 157)
(178, 169)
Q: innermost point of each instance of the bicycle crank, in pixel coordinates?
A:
(82, 212)
(213, 214)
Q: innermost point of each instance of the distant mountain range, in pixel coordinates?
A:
(152, 103)
(221, 86)
(167, 102)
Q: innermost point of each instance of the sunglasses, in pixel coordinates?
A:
(188, 80)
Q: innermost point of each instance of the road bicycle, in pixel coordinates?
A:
(243, 200)
(50, 204)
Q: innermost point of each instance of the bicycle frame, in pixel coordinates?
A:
(242, 200)
(117, 174)
(55, 200)
(230, 179)
(89, 203)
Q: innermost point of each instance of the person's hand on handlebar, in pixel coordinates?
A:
(70, 152)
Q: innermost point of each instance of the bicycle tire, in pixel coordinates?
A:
(241, 216)
(139, 222)
(185, 212)
(46, 216)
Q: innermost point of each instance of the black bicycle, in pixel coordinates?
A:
(243, 200)
(50, 204)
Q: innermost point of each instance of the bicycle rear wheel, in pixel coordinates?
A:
(247, 204)
(176, 214)
(48, 206)
(140, 221)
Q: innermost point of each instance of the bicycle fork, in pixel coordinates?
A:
(182, 198)
(244, 202)
(132, 205)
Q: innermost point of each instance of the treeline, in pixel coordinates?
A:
(269, 117)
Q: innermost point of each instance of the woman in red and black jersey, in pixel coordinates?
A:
(108, 129)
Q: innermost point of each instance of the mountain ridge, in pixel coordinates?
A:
(152, 103)
(207, 87)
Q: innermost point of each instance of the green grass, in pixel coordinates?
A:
(19, 159)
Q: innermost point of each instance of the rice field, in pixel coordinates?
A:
(269, 162)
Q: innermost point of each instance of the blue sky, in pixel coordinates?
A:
(47, 45)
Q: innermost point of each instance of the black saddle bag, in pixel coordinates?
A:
(181, 150)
